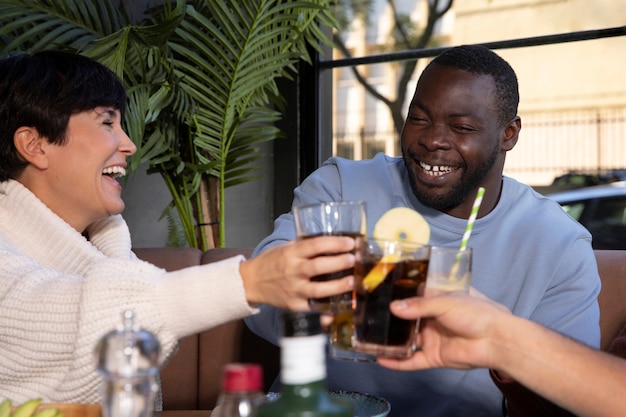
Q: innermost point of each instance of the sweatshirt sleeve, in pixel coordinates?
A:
(322, 185)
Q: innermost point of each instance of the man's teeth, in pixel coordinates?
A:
(436, 170)
(114, 171)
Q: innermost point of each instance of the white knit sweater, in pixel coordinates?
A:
(60, 293)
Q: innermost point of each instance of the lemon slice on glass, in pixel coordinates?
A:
(404, 224)
(400, 224)
(377, 274)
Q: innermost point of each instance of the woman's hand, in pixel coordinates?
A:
(281, 276)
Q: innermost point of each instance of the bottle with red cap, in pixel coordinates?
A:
(242, 390)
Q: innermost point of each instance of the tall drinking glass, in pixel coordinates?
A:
(335, 218)
(387, 270)
(342, 218)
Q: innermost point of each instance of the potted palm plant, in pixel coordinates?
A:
(201, 80)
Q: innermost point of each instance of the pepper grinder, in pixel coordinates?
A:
(128, 360)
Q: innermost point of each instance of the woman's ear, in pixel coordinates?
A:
(31, 146)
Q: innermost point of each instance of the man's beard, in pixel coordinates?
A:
(469, 182)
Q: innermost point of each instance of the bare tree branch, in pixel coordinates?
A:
(436, 10)
(368, 87)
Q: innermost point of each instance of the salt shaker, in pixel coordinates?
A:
(128, 359)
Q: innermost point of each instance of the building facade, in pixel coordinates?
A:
(572, 95)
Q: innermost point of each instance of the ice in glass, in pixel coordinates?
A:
(386, 271)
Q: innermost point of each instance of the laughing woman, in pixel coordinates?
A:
(66, 266)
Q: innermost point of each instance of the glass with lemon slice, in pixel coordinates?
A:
(387, 270)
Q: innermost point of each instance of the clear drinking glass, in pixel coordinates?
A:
(335, 218)
(387, 270)
(450, 270)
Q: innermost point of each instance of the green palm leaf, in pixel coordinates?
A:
(201, 77)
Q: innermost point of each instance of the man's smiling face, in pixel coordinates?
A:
(451, 140)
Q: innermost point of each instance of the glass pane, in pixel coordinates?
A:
(572, 94)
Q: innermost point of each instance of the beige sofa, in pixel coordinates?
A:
(191, 380)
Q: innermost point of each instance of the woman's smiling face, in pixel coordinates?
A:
(80, 178)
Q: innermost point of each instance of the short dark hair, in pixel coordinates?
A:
(479, 60)
(43, 90)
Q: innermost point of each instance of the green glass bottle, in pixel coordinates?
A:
(303, 372)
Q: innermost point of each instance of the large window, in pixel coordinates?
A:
(568, 58)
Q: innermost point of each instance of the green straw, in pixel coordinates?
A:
(472, 217)
(454, 271)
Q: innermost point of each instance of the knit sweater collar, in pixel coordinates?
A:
(29, 226)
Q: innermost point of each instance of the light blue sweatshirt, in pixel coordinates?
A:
(529, 255)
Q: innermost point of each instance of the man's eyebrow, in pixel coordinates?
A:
(416, 104)
(461, 114)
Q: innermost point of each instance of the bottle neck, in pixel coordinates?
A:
(303, 359)
(308, 390)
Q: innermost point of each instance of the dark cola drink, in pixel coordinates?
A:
(377, 330)
(337, 303)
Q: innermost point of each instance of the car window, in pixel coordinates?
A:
(609, 213)
(574, 209)
(607, 225)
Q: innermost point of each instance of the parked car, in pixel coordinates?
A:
(601, 209)
(580, 179)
